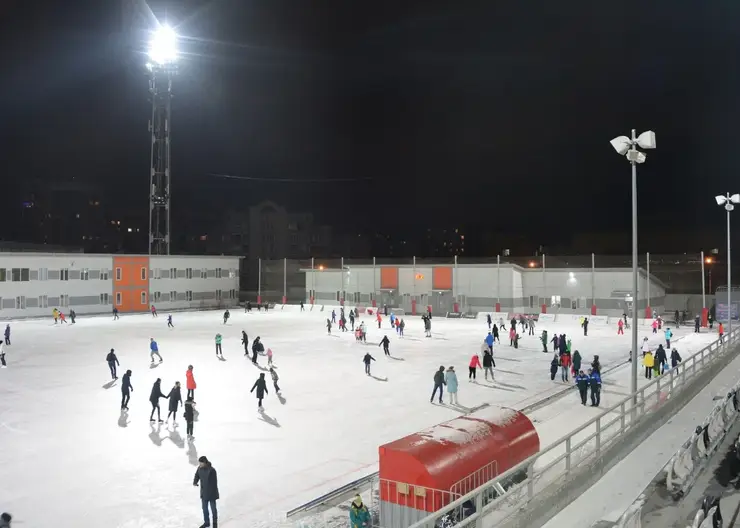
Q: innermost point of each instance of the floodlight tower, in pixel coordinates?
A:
(728, 202)
(627, 146)
(162, 68)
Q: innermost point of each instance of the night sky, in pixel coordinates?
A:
(389, 115)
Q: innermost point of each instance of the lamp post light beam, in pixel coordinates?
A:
(162, 67)
(627, 146)
(728, 202)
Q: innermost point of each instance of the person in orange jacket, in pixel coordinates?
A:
(379, 319)
(474, 364)
(721, 332)
(190, 382)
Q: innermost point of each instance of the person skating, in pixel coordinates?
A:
(72, 315)
(451, 382)
(359, 517)
(3, 364)
(595, 382)
(7, 334)
(257, 347)
(489, 341)
(516, 340)
(126, 390)
(55, 315)
(678, 319)
(366, 360)
(352, 319)
(585, 326)
(154, 349)
(226, 316)
(720, 332)
(494, 330)
(531, 325)
(115, 314)
(512, 335)
(697, 324)
(439, 381)
(208, 478)
(154, 397)
(472, 366)
(302, 309)
(554, 366)
(175, 397)
(328, 326)
(428, 326)
(219, 352)
(649, 363)
(544, 341)
(655, 326)
(248, 307)
(488, 320)
(401, 326)
(154, 311)
(379, 319)
(169, 321)
(333, 316)
(275, 378)
(620, 327)
(488, 363)
(385, 343)
(189, 416)
(245, 342)
(62, 317)
(582, 382)
(261, 387)
(112, 362)
(190, 384)
(5, 520)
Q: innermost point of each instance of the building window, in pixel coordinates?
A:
(219, 295)
(203, 274)
(173, 296)
(104, 299)
(232, 294)
(143, 297)
(173, 273)
(43, 301)
(104, 275)
(64, 300)
(43, 274)
(555, 301)
(3, 274)
(157, 296)
(155, 273)
(118, 274)
(85, 274)
(20, 275)
(20, 303)
(143, 274)
(64, 274)
(218, 273)
(118, 299)
(188, 295)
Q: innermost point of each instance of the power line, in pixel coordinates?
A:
(287, 180)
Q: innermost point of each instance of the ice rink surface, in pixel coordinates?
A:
(70, 458)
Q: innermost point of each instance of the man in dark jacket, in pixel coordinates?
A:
(385, 343)
(585, 326)
(366, 360)
(154, 399)
(439, 381)
(112, 362)
(595, 382)
(261, 386)
(660, 357)
(488, 363)
(126, 390)
(576, 359)
(208, 478)
(675, 358)
(582, 382)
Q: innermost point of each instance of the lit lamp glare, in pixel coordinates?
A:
(163, 46)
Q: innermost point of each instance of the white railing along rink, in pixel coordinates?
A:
(576, 448)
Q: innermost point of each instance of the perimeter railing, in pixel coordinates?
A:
(579, 447)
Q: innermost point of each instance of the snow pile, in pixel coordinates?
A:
(460, 431)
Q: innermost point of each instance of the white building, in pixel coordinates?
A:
(485, 287)
(32, 284)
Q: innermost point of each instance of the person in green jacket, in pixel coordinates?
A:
(567, 346)
(576, 361)
(358, 515)
(543, 338)
(218, 346)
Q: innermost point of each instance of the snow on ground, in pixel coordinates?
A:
(67, 447)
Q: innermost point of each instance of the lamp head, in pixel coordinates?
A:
(646, 140)
(163, 46)
(735, 198)
(720, 199)
(621, 144)
(635, 156)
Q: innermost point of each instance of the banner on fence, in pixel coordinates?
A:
(722, 311)
(453, 315)
(546, 318)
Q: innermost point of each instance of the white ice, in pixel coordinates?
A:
(70, 458)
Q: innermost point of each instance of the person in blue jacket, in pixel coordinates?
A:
(595, 380)
(582, 382)
(359, 517)
(668, 336)
(489, 342)
(154, 349)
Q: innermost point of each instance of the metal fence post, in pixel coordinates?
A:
(647, 281)
(567, 453)
(259, 280)
(313, 284)
(703, 282)
(375, 287)
(543, 309)
(498, 283)
(593, 284)
(285, 280)
(341, 276)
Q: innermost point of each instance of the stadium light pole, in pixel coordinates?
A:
(162, 67)
(627, 146)
(727, 201)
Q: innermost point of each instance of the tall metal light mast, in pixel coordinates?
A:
(162, 69)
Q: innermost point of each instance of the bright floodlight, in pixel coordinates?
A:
(646, 140)
(720, 199)
(621, 144)
(163, 46)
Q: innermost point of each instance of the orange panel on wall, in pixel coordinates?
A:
(131, 283)
(388, 278)
(441, 278)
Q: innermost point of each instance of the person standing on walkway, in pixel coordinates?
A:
(451, 382)
(595, 382)
(112, 362)
(126, 390)
(649, 363)
(668, 336)
(208, 478)
(582, 382)
(439, 381)
(359, 516)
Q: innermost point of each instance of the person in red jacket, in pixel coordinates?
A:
(190, 382)
(620, 327)
(564, 366)
(380, 319)
(474, 364)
